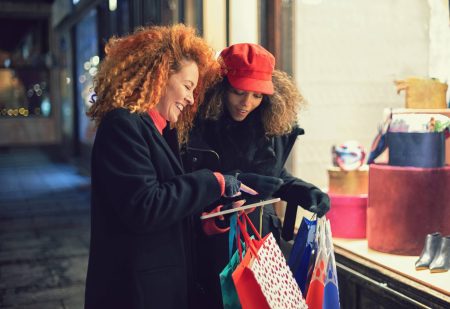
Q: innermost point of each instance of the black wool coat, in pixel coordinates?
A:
(141, 212)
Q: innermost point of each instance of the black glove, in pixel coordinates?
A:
(266, 186)
(232, 186)
(320, 202)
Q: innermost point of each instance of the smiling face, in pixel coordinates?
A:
(241, 103)
(179, 91)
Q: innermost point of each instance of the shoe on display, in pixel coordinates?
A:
(441, 261)
(432, 242)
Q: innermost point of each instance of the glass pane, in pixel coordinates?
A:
(87, 60)
(66, 84)
(119, 18)
(287, 35)
(24, 92)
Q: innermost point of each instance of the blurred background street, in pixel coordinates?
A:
(343, 55)
(44, 231)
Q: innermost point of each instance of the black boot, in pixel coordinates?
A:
(430, 249)
(441, 261)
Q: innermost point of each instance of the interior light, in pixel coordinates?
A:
(95, 60)
(87, 65)
(112, 5)
(46, 107)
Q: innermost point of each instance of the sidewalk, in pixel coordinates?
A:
(44, 232)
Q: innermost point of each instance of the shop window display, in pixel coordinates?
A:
(24, 93)
(87, 60)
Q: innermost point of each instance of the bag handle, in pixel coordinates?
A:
(249, 243)
(233, 234)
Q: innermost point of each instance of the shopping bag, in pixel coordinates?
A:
(314, 297)
(331, 290)
(263, 279)
(299, 258)
(323, 288)
(230, 298)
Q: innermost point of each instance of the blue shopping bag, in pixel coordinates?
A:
(300, 256)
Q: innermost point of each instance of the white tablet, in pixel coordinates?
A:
(228, 211)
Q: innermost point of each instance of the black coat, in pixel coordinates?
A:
(142, 209)
(241, 147)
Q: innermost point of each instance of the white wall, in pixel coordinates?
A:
(347, 54)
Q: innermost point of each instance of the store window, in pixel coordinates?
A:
(66, 84)
(287, 36)
(193, 13)
(24, 71)
(119, 16)
(24, 93)
(86, 59)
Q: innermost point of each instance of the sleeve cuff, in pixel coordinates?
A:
(221, 181)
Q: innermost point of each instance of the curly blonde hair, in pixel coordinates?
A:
(280, 111)
(136, 69)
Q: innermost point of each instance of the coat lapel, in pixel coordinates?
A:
(163, 143)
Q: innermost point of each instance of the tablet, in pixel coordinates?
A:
(228, 211)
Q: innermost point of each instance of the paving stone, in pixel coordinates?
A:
(30, 296)
(74, 302)
(22, 275)
(41, 305)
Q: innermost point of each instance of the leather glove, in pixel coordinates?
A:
(232, 186)
(320, 202)
(266, 186)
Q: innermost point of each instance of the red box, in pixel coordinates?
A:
(348, 215)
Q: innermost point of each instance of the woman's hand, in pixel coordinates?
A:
(211, 226)
(233, 187)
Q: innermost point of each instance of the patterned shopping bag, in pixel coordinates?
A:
(323, 288)
(263, 279)
(331, 290)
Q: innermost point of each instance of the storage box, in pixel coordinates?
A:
(416, 149)
(445, 112)
(348, 182)
(347, 215)
(423, 92)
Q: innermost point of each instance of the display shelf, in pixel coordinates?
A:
(386, 278)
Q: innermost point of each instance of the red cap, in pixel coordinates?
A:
(249, 67)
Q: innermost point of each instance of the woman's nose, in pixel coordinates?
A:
(189, 98)
(246, 100)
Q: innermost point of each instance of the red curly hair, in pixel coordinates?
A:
(136, 68)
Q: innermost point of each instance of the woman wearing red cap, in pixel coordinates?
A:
(143, 203)
(249, 119)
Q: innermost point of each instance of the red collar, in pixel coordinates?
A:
(158, 120)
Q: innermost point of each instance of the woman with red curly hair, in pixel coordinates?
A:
(143, 203)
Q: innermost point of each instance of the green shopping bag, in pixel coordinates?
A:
(230, 298)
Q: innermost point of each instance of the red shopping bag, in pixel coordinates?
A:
(263, 279)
